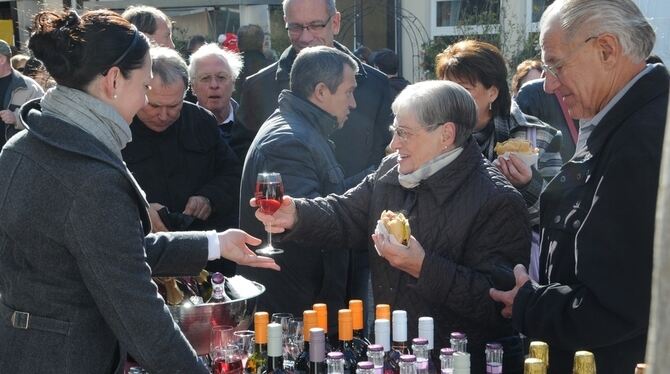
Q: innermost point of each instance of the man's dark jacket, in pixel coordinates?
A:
(597, 225)
(294, 142)
(359, 145)
(189, 158)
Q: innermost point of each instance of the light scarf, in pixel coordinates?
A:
(90, 114)
(431, 167)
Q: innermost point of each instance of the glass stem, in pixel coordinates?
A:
(270, 236)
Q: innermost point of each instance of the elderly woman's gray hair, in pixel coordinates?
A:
(316, 65)
(620, 17)
(232, 59)
(434, 103)
(169, 66)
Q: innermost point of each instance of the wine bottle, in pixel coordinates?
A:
(383, 337)
(275, 363)
(420, 349)
(584, 363)
(360, 342)
(365, 367)
(539, 350)
(322, 322)
(459, 342)
(494, 355)
(447, 361)
(335, 362)
(346, 335)
(408, 364)
(308, 322)
(218, 289)
(399, 345)
(317, 352)
(257, 362)
(426, 331)
(534, 366)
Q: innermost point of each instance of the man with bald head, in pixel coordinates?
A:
(597, 217)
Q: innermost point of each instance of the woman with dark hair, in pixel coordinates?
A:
(480, 68)
(76, 258)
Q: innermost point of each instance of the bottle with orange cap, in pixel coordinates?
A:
(308, 322)
(257, 362)
(360, 342)
(322, 322)
(346, 336)
(383, 311)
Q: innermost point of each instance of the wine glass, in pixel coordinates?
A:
(268, 194)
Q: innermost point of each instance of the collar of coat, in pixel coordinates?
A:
(62, 135)
(443, 184)
(290, 104)
(649, 87)
(288, 56)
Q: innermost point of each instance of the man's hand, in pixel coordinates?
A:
(283, 219)
(507, 297)
(233, 246)
(7, 117)
(515, 170)
(157, 224)
(408, 259)
(198, 207)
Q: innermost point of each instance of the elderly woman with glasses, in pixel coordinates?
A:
(467, 221)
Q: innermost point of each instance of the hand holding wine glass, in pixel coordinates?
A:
(281, 220)
(268, 196)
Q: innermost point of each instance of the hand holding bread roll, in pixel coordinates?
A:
(397, 225)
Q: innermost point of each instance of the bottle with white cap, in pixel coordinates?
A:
(383, 337)
(461, 363)
(317, 353)
(275, 350)
(399, 346)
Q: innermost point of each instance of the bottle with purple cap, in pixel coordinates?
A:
(335, 362)
(218, 288)
(459, 342)
(447, 360)
(422, 353)
(407, 364)
(494, 356)
(365, 367)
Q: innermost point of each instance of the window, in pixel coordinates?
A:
(454, 17)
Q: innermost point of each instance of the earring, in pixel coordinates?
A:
(115, 96)
(490, 106)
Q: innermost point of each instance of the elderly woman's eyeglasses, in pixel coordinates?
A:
(554, 69)
(400, 132)
(297, 29)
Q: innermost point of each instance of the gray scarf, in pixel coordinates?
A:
(431, 167)
(90, 114)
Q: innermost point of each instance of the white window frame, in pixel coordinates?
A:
(458, 30)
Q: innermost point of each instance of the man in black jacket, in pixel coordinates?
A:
(178, 157)
(597, 215)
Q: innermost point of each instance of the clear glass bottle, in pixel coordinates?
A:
(584, 363)
(335, 362)
(346, 336)
(494, 357)
(539, 350)
(408, 364)
(218, 288)
(422, 353)
(383, 337)
(534, 366)
(459, 342)
(447, 361)
(308, 322)
(376, 356)
(360, 342)
(426, 331)
(365, 367)
(258, 360)
(275, 360)
(461, 363)
(317, 352)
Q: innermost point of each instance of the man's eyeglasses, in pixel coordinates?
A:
(554, 68)
(297, 29)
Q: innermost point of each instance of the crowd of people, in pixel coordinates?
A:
(129, 161)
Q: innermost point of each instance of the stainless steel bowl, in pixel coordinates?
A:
(195, 321)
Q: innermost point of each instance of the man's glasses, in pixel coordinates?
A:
(554, 68)
(297, 29)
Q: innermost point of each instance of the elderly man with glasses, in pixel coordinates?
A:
(597, 218)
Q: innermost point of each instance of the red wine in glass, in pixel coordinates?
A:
(223, 366)
(269, 193)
